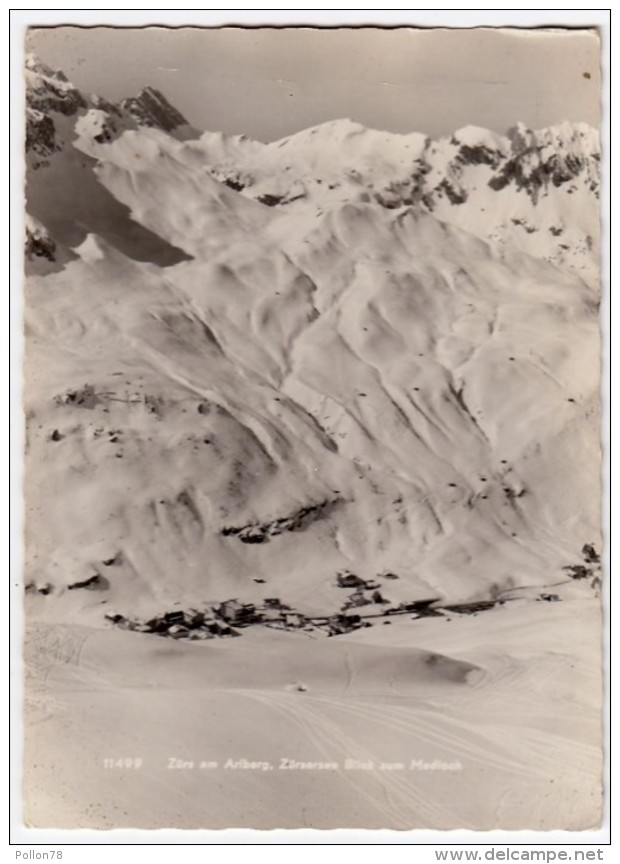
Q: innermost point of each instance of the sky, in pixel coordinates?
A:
(268, 83)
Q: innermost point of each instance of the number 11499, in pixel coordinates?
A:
(125, 762)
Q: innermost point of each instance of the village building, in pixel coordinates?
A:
(339, 624)
(273, 616)
(216, 628)
(273, 603)
(358, 598)
(234, 612)
(349, 580)
(294, 619)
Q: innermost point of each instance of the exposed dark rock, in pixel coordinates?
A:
(555, 169)
(39, 245)
(33, 588)
(104, 105)
(590, 554)
(456, 196)
(578, 571)
(479, 155)
(84, 397)
(234, 184)
(93, 583)
(270, 200)
(40, 134)
(260, 533)
(115, 560)
(50, 93)
(151, 108)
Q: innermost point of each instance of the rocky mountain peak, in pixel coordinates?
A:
(49, 90)
(554, 156)
(504, 188)
(151, 108)
(49, 93)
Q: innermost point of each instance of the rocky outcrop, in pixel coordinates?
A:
(474, 170)
(40, 133)
(479, 154)
(554, 156)
(151, 108)
(38, 242)
(48, 90)
(260, 533)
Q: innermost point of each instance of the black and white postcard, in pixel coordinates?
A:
(312, 400)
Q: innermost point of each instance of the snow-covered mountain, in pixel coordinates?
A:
(548, 179)
(252, 366)
(61, 189)
(540, 175)
(345, 328)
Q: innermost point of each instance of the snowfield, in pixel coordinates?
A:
(502, 708)
(253, 367)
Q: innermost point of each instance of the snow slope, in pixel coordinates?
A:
(379, 332)
(381, 359)
(488, 722)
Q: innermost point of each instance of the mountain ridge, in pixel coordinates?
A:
(287, 343)
(517, 186)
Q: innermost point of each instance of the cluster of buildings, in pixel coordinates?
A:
(178, 624)
(224, 620)
(230, 617)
